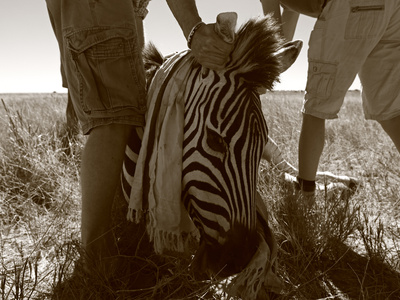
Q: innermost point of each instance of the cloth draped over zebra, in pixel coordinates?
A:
(157, 184)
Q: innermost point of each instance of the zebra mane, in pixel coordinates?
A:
(152, 59)
(253, 56)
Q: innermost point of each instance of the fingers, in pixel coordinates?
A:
(209, 49)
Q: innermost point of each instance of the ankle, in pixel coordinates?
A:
(307, 187)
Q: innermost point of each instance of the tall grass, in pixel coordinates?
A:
(345, 246)
(39, 192)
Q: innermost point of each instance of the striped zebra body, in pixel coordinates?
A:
(224, 136)
(221, 154)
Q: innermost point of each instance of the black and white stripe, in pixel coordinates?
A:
(224, 135)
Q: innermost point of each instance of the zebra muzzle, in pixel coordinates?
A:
(213, 260)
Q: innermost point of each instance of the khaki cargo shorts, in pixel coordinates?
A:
(101, 64)
(354, 37)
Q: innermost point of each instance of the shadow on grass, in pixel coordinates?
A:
(342, 275)
(363, 278)
(135, 273)
(316, 261)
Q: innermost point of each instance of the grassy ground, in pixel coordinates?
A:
(343, 247)
(346, 247)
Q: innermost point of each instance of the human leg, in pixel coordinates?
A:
(100, 173)
(100, 48)
(323, 98)
(340, 43)
(392, 127)
(311, 144)
(380, 77)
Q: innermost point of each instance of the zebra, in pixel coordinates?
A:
(224, 136)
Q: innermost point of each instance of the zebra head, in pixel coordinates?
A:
(224, 136)
(220, 145)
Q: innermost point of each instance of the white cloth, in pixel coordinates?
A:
(157, 184)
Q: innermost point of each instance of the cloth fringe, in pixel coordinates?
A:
(171, 241)
(134, 215)
(163, 240)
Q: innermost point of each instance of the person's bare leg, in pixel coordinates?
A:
(311, 144)
(392, 128)
(100, 173)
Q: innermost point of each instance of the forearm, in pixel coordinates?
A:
(273, 155)
(289, 23)
(185, 12)
(272, 7)
(287, 19)
(207, 47)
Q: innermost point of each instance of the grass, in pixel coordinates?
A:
(346, 246)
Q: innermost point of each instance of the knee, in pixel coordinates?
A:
(111, 129)
(111, 132)
(391, 125)
(313, 125)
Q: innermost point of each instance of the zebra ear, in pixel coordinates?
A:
(288, 54)
(225, 26)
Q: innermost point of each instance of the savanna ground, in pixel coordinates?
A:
(345, 246)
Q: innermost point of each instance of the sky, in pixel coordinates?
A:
(29, 55)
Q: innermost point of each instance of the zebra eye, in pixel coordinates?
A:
(215, 141)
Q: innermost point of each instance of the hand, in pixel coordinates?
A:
(209, 49)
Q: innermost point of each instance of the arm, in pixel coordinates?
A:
(207, 47)
(273, 155)
(287, 19)
(289, 22)
(272, 7)
(185, 12)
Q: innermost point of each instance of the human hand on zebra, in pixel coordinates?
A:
(207, 45)
(209, 49)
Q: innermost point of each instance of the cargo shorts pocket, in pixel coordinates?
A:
(321, 78)
(109, 70)
(365, 19)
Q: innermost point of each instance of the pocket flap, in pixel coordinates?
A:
(82, 40)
